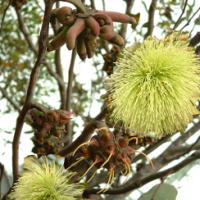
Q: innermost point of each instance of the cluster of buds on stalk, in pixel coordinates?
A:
(49, 130)
(81, 27)
(105, 151)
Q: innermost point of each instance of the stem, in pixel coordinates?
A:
(138, 183)
(152, 9)
(179, 19)
(33, 78)
(69, 92)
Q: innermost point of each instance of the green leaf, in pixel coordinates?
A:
(160, 192)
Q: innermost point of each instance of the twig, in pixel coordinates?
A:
(59, 71)
(168, 155)
(195, 40)
(92, 4)
(1, 176)
(10, 100)
(188, 21)
(33, 78)
(129, 6)
(179, 19)
(151, 148)
(4, 15)
(24, 30)
(150, 25)
(138, 183)
(31, 45)
(104, 5)
(70, 80)
(67, 105)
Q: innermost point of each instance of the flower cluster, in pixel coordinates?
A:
(105, 151)
(81, 27)
(49, 130)
(155, 86)
(43, 180)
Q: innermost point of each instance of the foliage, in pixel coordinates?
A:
(162, 191)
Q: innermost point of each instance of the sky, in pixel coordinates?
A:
(188, 187)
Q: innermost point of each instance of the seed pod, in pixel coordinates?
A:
(107, 32)
(93, 25)
(64, 15)
(74, 32)
(103, 18)
(58, 40)
(81, 48)
(118, 40)
(90, 43)
(119, 17)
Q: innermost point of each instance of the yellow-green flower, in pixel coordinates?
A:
(46, 181)
(155, 87)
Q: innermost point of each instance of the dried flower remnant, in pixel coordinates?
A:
(155, 86)
(49, 130)
(105, 151)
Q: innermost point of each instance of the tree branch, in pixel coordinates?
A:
(59, 71)
(24, 30)
(188, 21)
(150, 25)
(31, 45)
(129, 6)
(138, 183)
(10, 100)
(68, 98)
(195, 40)
(179, 19)
(33, 78)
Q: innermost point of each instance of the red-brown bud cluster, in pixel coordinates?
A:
(81, 29)
(104, 150)
(49, 130)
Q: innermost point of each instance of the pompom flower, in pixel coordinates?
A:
(46, 180)
(155, 87)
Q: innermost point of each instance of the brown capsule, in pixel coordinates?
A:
(103, 18)
(93, 25)
(81, 48)
(64, 15)
(107, 32)
(118, 40)
(73, 32)
(90, 43)
(119, 17)
(58, 40)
